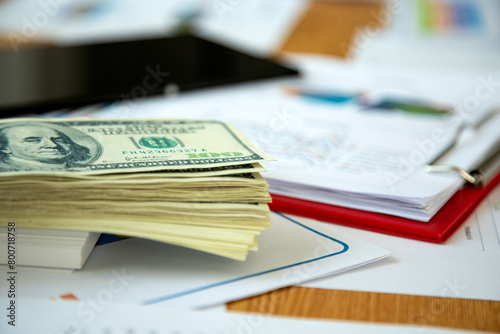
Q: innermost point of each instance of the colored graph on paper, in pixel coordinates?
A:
(449, 17)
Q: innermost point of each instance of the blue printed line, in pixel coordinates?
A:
(206, 287)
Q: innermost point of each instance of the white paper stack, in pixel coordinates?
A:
(49, 248)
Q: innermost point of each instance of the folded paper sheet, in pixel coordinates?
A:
(140, 271)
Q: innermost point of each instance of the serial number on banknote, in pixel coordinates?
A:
(188, 150)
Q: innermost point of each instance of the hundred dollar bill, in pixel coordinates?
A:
(94, 146)
(242, 188)
(154, 176)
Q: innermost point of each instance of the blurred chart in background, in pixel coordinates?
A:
(461, 17)
(461, 34)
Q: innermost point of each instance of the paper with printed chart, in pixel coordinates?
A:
(416, 34)
(59, 317)
(139, 271)
(466, 266)
(342, 154)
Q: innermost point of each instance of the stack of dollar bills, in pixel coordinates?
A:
(191, 183)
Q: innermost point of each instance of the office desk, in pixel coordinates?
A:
(327, 28)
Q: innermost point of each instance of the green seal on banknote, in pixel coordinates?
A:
(157, 142)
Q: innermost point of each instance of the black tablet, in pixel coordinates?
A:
(41, 79)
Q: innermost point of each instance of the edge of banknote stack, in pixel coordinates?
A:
(192, 183)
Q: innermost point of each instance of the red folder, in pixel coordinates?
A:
(438, 229)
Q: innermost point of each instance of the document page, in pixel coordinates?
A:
(59, 317)
(465, 266)
(144, 272)
(337, 154)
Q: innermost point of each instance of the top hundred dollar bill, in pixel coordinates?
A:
(120, 146)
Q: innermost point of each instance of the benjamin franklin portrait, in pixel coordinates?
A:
(43, 146)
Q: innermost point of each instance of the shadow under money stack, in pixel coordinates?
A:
(195, 184)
